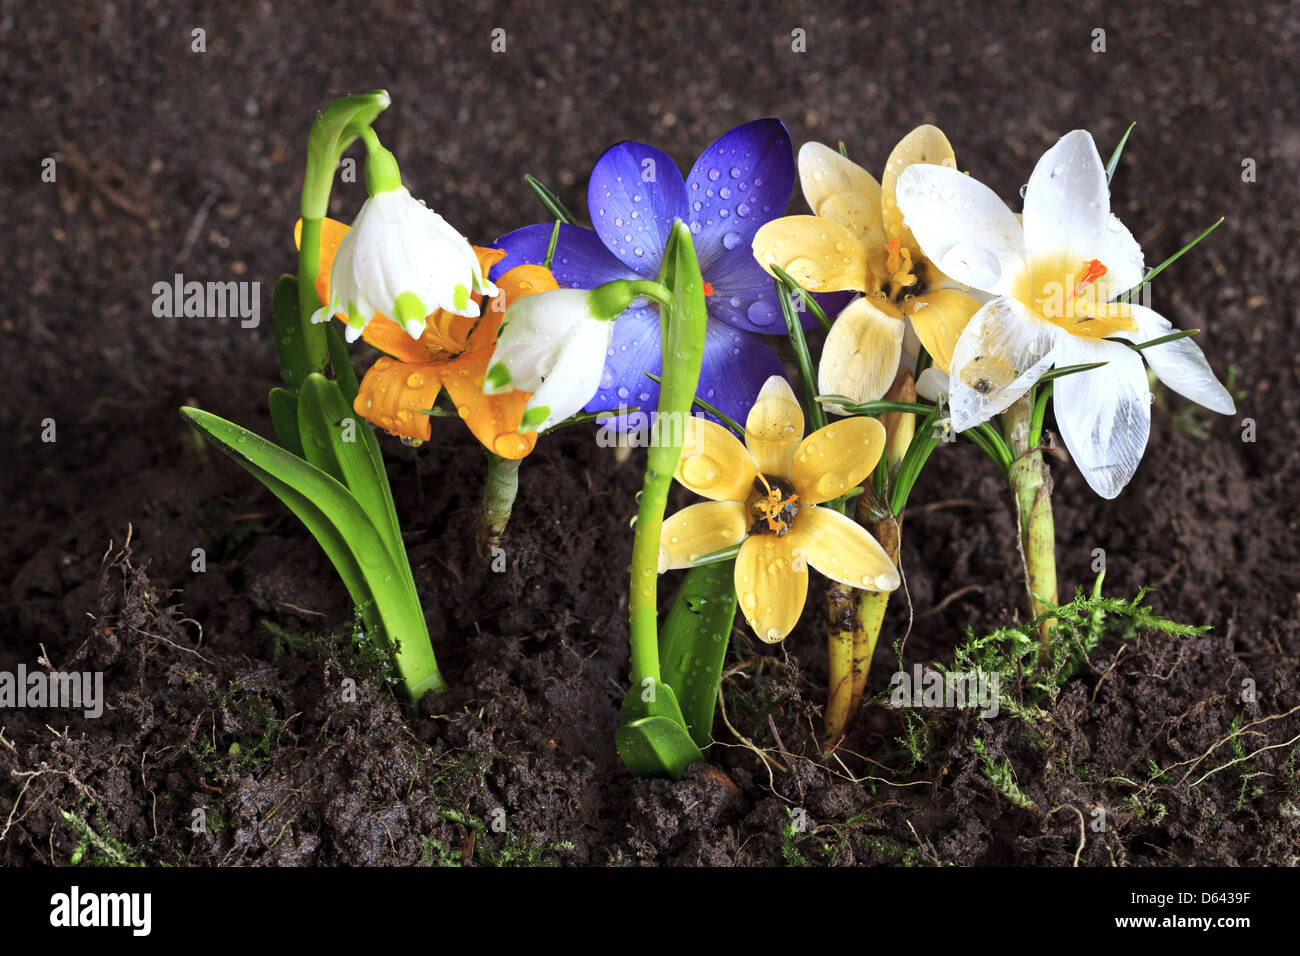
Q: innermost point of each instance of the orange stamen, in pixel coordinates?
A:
(1092, 271)
(773, 505)
(708, 289)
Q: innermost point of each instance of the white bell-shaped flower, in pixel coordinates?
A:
(554, 344)
(401, 259)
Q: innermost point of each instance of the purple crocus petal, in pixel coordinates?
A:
(744, 296)
(736, 364)
(581, 259)
(634, 195)
(634, 351)
(740, 182)
(832, 303)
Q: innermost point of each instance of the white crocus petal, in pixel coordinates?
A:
(575, 376)
(1180, 364)
(1103, 414)
(534, 330)
(962, 227)
(1067, 203)
(1001, 353)
(1122, 256)
(932, 383)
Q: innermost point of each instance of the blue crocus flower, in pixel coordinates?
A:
(741, 181)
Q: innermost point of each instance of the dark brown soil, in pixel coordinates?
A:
(226, 688)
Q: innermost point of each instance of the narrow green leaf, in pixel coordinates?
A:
(550, 201)
(1128, 296)
(343, 529)
(284, 417)
(693, 644)
(656, 747)
(792, 284)
(1064, 370)
(341, 363)
(803, 360)
(874, 408)
(332, 440)
(1171, 337)
(1114, 157)
(288, 331)
(550, 246)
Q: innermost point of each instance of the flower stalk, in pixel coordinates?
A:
(499, 491)
(1030, 483)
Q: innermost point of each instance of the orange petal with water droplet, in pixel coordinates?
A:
(493, 419)
(393, 396)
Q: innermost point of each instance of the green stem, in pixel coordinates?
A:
(1030, 482)
(683, 347)
(499, 493)
(314, 343)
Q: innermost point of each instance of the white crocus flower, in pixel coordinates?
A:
(1055, 279)
(402, 260)
(554, 344)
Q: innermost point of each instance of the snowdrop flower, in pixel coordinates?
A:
(1055, 280)
(554, 344)
(401, 260)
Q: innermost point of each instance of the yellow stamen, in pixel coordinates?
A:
(899, 265)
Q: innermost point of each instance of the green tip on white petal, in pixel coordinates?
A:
(460, 297)
(410, 313)
(356, 323)
(497, 379)
(534, 417)
(320, 315)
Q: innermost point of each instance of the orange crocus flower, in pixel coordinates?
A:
(453, 353)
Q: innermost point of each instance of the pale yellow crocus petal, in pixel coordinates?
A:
(714, 464)
(840, 190)
(939, 317)
(821, 255)
(862, 352)
(699, 530)
(842, 550)
(771, 584)
(774, 428)
(836, 458)
(925, 144)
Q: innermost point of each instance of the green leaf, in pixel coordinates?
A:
(874, 408)
(334, 130)
(325, 423)
(1171, 337)
(341, 363)
(1064, 370)
(344, 531)
(1128, 296)
(1114, 157)
(287, 329)
(284, 416)
(693, 644)
(550, 201)
(656, 747)
(803, 359)
(792, 284)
